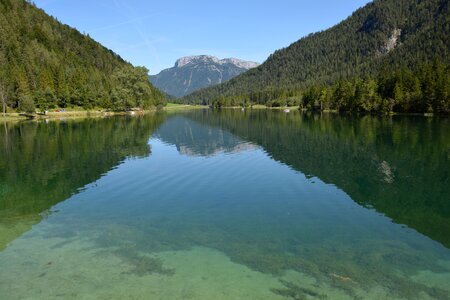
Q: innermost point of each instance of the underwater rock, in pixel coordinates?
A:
(142, 265)
(296, 292)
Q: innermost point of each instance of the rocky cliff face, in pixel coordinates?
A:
(192, 73)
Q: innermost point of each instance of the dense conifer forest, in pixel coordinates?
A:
(387, 56)
(45, 64)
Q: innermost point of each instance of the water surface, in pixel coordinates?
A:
(226, 205)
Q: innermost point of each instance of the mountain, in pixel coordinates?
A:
(47, 64)
(385, 36)
(192, 73)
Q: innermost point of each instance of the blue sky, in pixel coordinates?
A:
(156, 33)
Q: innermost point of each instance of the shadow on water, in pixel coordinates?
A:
(44, 163)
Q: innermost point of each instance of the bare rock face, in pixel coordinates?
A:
(239, 63)
(392, 41)
(192, 73)
(195, 60)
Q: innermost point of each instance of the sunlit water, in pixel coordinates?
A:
(226, 205)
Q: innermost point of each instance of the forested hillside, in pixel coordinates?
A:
(393, 53)
(46, 64)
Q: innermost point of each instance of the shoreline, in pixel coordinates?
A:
(332, 111)
(73, 114)
(177, 107)
(11, 117)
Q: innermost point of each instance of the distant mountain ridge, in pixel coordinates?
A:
(208, 58)
(192, 73)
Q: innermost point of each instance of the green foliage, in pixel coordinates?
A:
(45, 99)
(56, 65)
(346, 67)
(26, 104)
(131, 89)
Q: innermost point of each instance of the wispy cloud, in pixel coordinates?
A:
(131, 14)
(144, 43)
(130, 21)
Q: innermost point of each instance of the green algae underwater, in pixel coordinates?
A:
(226, 205)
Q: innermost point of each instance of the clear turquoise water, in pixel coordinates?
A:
(226, 205)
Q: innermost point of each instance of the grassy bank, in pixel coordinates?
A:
(176, 107)
(72, 113)
(81, 113)
(11, 117)
(261, 106)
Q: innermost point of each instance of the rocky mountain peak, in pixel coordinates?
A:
(195, 60)
(199, 59)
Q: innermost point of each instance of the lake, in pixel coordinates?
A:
(226, 204)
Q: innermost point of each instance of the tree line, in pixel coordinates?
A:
(425, 90)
